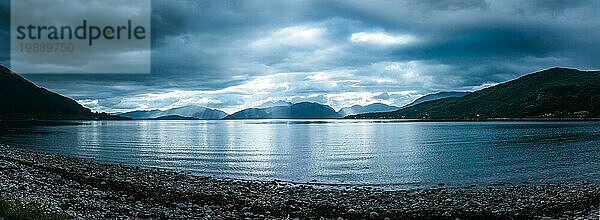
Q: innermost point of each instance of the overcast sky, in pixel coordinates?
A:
(234, 54)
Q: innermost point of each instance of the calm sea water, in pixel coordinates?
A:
(393, 154)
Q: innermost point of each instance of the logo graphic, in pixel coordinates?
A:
(80, 36)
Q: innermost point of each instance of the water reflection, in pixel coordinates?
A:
(404, 154)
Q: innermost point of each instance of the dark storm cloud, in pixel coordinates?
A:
(555, 6)
(232, 54)
(452, 4)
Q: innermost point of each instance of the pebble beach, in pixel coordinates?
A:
(89, 190)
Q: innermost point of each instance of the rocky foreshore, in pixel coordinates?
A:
(89, 190)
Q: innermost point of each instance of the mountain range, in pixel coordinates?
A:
(372, 108)
(435, 96)
(270, 104)
(554, 93)
(268, 110)
(189, 112)
(302, 110)
(23, 100)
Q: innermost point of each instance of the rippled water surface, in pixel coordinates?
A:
(398, 154)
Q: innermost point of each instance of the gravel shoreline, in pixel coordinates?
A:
(90, 190)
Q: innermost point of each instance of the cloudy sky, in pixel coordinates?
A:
(233, 54)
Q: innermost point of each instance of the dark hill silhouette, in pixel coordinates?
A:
(23, 100)
(556, 92)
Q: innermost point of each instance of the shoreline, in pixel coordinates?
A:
(41, 122)
(90, 190)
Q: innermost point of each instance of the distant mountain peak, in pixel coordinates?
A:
(436, 96)
(188, 111)
(302, 110)
(274, 104)
(370, 108)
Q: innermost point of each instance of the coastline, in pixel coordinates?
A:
(90, 190)
(477, 120)
(35, 122)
